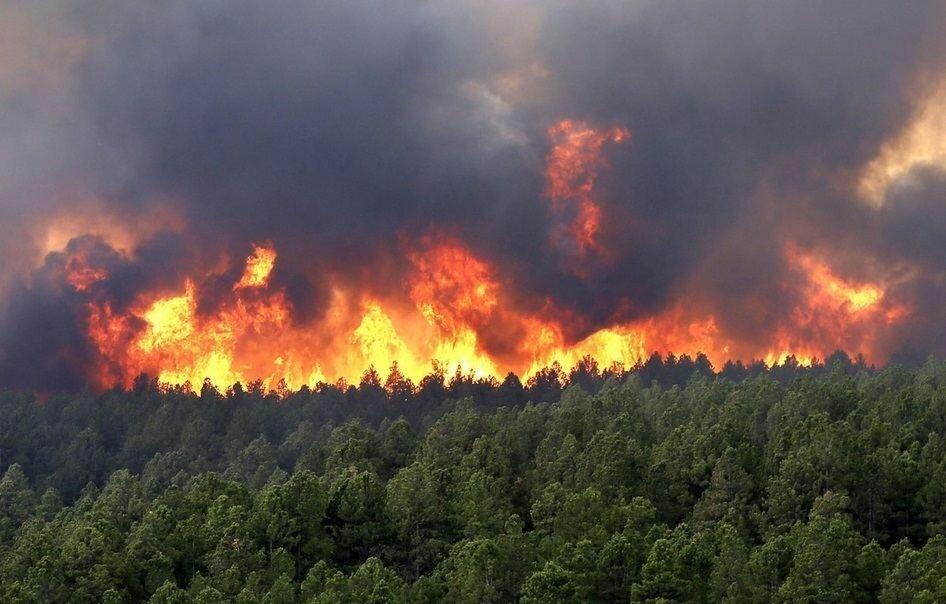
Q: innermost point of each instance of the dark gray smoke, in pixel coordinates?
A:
(337, 130)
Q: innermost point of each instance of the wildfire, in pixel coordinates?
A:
(455, 311)
(168, 337)
(572, 169)
(833, 310)
(453, 298)
(259, 266)
(852, 297)
(378, 340)
(81, 275)
(170, 321)
(251, 336)
(452, 287)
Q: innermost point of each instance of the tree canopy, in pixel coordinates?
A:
(823, 485)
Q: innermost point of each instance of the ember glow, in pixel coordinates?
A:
(572, 168)
(832, 309)
(451, 303)
(454, 297)
(447, 188)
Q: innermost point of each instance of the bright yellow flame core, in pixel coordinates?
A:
(454, 294)
(189, 355)
(170, 321)
(834, 311)
(856, 297)
(259, 266)
(455, 301)
(378, 341)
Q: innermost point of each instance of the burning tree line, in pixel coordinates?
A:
(118, 309)
(545, 384)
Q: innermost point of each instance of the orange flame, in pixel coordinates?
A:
(457, 311)
(259, 266)
(572, 168)
(835, 312)
(80, 274)
(455, 297)
(851, 297)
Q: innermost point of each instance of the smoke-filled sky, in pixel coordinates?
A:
(755, 168)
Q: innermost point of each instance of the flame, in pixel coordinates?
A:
(456, 310)
(169, 336)
(834, 312)
(455, 295)
(82, 275)
(188, 351)
(854, 297)
(627, 344)
(378, 340)
(572, 168)
(451, 286)
(259, 266)
(170, 321)
(452, 298)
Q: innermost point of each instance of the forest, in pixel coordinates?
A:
(668, 482)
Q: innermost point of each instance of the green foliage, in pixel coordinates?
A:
(829, 487)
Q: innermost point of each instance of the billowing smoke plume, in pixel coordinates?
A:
(744, 179)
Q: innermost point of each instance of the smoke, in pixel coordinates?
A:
(340, 133)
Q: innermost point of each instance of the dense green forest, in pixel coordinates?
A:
(666, 483)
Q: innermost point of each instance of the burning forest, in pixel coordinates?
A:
(516, 301)
(532, 191)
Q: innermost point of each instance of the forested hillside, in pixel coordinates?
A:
(668, 483)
